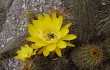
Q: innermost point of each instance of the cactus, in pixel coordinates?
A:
(40, 63)
(106, 45)
(107, 67)
(88, 56)
(60, 64)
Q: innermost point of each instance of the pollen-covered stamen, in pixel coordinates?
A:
(49, 36)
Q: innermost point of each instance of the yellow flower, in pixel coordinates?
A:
(49, 35)
(25, 53)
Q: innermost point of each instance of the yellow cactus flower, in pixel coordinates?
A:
(25, 53)
(48, 34)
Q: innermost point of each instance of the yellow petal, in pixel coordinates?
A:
(47, 19)
(66, 26)
(41, 50)
(38, 41)
(53, 15)
(34, 46)
(64, 30)
(48, 22)
(57, 23)
(18, 57)
(40, 17)
(32, 30)
(38, 24)
(61, 44)
(70, 44)
(18, 51)
(51, 47)
(46, 52)
(34, 51)
(69, 37)
(27, 50)
(58, 34)
(41, 43)
(32, 20)
(32, 39)
(60, 20)
(58, 51)
(42, 26)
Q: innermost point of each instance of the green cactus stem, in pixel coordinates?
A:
(88, 56)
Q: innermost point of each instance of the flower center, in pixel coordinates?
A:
(49, 36)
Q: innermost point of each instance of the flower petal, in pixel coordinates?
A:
(51, 47)
(38, 41)
(46, 52)
(70, 44)
(40, 17)
(19, 57)
(34, 46)
(61, 44)
(32, 20)
(41, 50)
(58, 51)
(58, 34)
(38, 24)
(60, 20)
(66, 26)
(47, 19)
(34, 51)
(69, 37)
(42, 26)
(32, 39)
(64, 30)
(57, 22)
(32, 30)
(53, 15)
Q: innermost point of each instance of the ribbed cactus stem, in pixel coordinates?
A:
(88, 56)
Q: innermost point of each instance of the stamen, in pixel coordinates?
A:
(50, 36)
